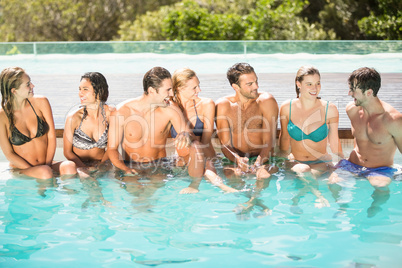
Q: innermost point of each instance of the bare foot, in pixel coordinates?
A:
(262, 173)
(217, 181)
(321, 202)
(189, 190)
(334, 178)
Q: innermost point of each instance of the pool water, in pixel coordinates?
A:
(146, 222)
(206, 63)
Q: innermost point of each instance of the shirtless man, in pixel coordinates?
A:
(376, 127)
(246, 121)
(141, 127)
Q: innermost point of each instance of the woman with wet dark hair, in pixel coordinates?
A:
(86, 129)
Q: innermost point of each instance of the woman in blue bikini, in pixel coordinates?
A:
(27, 132)
(86, 129)
(199, 114)
(308, 124)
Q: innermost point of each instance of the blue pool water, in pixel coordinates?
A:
(108, 223)
(206, 63)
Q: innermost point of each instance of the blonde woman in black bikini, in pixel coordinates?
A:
(199, 114)
(27, 132)
(86, 129)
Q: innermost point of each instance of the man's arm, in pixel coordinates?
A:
(223, 129)
(395, 129)
(115, 137)
(269, 108)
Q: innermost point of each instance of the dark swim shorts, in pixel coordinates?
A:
(366, 172)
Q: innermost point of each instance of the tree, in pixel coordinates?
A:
(68, 20)
(384, 22)
(280, 20)
(211, 20)
(190, 21)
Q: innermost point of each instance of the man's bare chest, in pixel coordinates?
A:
(246, 120)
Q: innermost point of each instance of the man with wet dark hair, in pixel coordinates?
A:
(246, 121)
(141, 127)
(376, 127)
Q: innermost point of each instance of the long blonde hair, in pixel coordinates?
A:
(179, 79)
(10, 78)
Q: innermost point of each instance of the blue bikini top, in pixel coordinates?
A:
(198, 127)
(297, 134)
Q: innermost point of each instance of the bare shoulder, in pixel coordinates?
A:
(267, 105)
(39, 100)
(224, 101)
(266, 97)
(351, 108)
(172, 109)
(109, 108)
(3, 116)
(124, 108)
(285, 107)
(332, 109)
(73, 112)
(392, 117)
(223, 105)
(76, 114)
(207, 103)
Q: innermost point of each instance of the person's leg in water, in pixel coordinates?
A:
(245, 208)
(200, 164)
(308, 175)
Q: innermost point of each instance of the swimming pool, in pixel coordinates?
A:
(206, 57)
(56, 67)
(110, 223)
(207, 63)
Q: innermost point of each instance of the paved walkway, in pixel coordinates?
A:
(62, 90)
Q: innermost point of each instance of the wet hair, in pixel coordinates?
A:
(233, 74)
(101, 89)
(302, 72)
(10, 78)
(99, 83)
(154, 77)
(180, 78)
(365, 78)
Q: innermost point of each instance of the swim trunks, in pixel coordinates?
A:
(364, 171)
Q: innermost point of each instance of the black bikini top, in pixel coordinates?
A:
(17, 138)
(198, 127)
